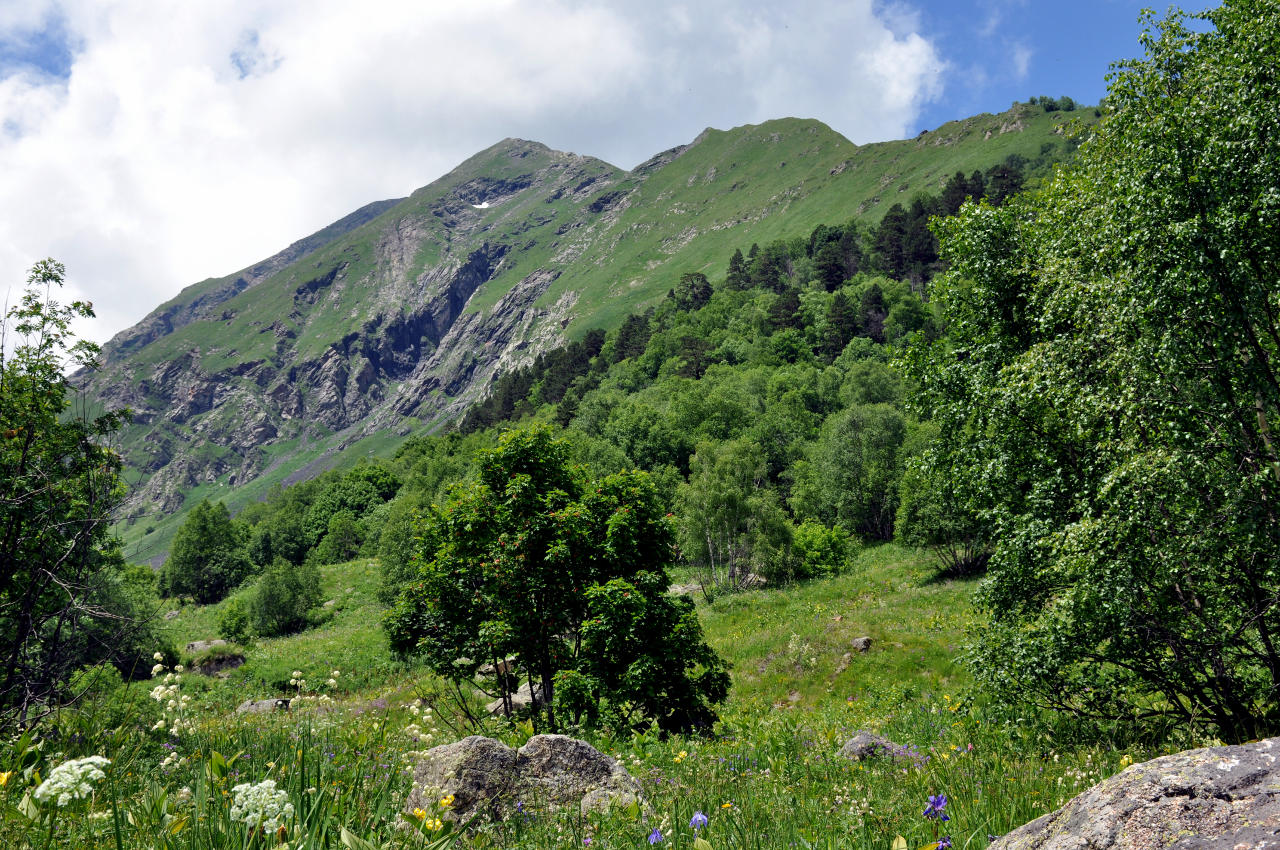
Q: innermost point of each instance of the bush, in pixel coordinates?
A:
(282, 597)
(819, 551)
(234, 622)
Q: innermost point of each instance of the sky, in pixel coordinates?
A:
(149, 144)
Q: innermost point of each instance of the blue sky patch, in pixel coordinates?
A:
(48, 51)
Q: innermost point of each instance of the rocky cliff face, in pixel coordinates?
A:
(400, 315)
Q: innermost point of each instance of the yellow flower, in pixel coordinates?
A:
(1125, 760)
(726, 805)
(420, 814)
(435, 825)
(4, 778)
(446, 802)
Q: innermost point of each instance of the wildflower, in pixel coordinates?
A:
(158, 656)
(179, 669)
(698, 821)
(726, 805)
(937, 802)
(655, 837)
(155, 671)
(420, 814)
(72, 780)
(1126, 760)
(944, 843)
(261, 805)
(336, 673)
(4, 777)
(446, 802)
(297, 674)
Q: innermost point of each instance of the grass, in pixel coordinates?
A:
(771, 777)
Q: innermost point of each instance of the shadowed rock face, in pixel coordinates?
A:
(1217, 797)
(487, 777)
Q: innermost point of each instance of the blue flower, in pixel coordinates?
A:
(944, 843)
(937, 802)
(655, 837)
(698, 821)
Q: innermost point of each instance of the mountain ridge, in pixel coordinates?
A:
(399, 315)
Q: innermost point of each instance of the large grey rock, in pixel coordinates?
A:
(202, 645)
(864, 745)
(488, 777)
(1216, 797)
(862, 644)
(560, 770)
(479, 772)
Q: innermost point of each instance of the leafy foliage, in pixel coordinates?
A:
(65, 598)
(282, 597)
(209, 557)
(534, 562)
(1107, 393)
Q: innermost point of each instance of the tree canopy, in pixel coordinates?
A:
(568, 577)
(64, 598)
(1106, 394)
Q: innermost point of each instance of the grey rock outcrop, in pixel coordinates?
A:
(864, 745)
(862, 644)
(202, 645)
(1216, 797)
(487, 777)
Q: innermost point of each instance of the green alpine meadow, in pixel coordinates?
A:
(779, 492)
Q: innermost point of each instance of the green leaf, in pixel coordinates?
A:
(354, 842)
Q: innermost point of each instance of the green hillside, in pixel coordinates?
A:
(400, 316)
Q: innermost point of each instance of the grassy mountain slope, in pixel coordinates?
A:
(399, 316)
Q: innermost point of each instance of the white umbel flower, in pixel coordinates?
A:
(261, 805)
(72, 780)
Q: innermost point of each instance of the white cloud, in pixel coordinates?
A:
(192, 139)
(1020, 56)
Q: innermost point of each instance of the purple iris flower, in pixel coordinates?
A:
(937, 802)
(655, 837)
(698, 821)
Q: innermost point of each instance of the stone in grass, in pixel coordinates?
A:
(486, 777)
(204, 645)
(1216, 797)
(262, 706)
(862, 644)
(864, 745)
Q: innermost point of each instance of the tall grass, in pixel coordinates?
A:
(771, 776)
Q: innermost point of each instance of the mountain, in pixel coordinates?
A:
(399, 316)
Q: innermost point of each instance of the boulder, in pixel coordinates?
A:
(522, 699)
(864, 745)
(262, 706)
(202, 645)
(862, 644)
(1216, 797)
(488, 777)
(210, 666)
(479, 772)
(172, 615)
